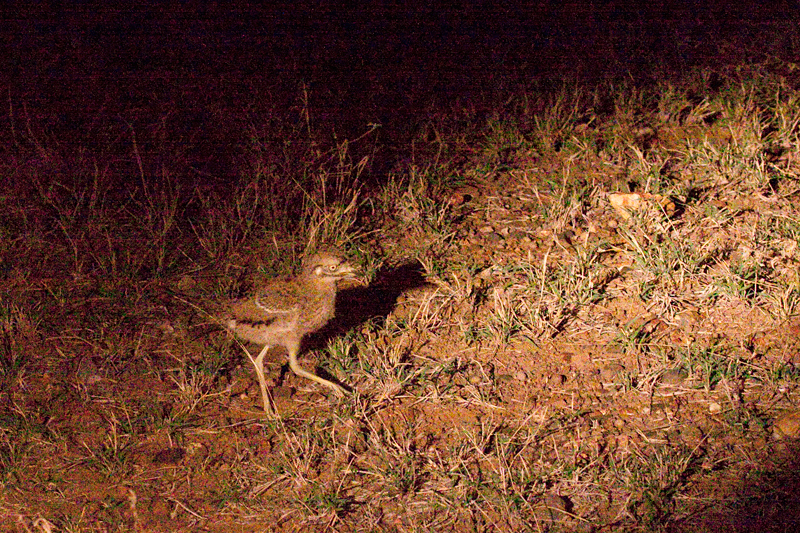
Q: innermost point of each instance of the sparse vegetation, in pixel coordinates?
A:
(525, 356)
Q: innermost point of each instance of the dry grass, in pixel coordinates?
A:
(524, 358)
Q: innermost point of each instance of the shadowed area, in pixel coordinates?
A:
(357, 305)
(766, 499)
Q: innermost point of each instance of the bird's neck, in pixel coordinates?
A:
(319, 304)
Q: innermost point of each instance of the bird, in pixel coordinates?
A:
(282, 312)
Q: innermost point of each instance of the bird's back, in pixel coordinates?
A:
(268, 318)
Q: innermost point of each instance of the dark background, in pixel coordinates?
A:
(204, 72)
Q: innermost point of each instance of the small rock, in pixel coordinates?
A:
(673, 377)
(611, 372)
(461, 197)
(555, 501)
(186, 283)
(714, 408)
(485, 274)
(689, 318)
(196, 450)
(493, 237)
(786, 426)
(350, 435)
(165, 327)
(169, 456)
(567, 236)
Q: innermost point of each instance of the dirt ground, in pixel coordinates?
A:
(555, 334)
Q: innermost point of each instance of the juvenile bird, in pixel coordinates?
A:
(281, 313)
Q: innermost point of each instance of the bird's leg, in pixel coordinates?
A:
(297, 369)
(258, 362)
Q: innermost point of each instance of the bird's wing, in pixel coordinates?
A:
(278, 299)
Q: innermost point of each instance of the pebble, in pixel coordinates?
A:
(610, 372)
(556, 502)
(187, 283)
(673, 377)
(786, 426)
(169, 456)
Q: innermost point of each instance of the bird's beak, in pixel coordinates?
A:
(350, 273)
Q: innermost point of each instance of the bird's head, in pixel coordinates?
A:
(328, 268)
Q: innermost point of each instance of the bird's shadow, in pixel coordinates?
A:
(358, 305)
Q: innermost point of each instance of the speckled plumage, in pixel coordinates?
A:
(281, 313)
